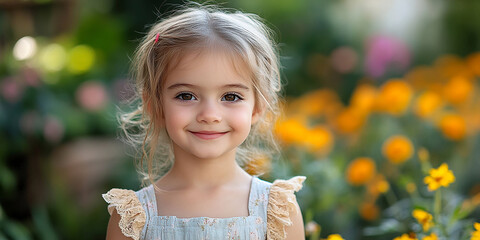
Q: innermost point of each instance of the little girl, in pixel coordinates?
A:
(208, 84)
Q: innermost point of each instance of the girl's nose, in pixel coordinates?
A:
(209, 113)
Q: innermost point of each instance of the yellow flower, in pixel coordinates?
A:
(432, 236)
(476, 233)
(440, 177)
(334, 237)
(427, 103)
(424, 218)
(423, 154)
(360, 171)
(405, 237)
(453, 126)
(397, 149)
(394, 97)
(411, 187)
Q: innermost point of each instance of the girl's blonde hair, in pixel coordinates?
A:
(193, 28)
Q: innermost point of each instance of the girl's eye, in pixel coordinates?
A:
(231, 97)
(185, 96)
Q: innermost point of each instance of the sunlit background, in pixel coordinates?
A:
(383, 114)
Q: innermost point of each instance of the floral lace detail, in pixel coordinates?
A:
(281, 202)
(132, 214)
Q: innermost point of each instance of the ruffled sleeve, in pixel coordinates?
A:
(281, 202)
(132, 214)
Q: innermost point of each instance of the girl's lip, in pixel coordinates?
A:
(208, 135)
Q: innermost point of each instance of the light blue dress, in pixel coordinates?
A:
(252, 227)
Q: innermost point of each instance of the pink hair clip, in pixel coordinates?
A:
(156, 38)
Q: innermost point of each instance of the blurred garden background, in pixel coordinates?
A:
(382, 114)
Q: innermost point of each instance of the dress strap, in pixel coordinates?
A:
(146, 196)
(259, 198)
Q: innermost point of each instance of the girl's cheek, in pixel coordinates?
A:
(243, 113)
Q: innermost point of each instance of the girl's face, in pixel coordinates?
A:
(208, 106)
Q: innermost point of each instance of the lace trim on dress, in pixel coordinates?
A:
(132, 214)
(281, 202)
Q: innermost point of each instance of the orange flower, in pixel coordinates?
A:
(394, 97)
(427, 103)
(313, 103)
(369, 211)
(450, 66)
(350, 120)
(458, 90)
(318, 139)
(360, 171)
(290, 130)
(364, 97)
(423, 78)
(397, 149)
(473, 62)
(453, 126)
(439, 177)
(378, 185)
(258, 165)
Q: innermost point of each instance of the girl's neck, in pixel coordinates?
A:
(191, 172)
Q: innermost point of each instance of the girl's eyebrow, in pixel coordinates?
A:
(236, 85)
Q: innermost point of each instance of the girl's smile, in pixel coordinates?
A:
(207, 135)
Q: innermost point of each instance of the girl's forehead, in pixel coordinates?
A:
(216, 60)
(220, 54)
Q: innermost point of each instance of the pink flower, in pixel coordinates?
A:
(344, 59)
(91, 95)
(384, 51)
(30, 76)
(53, 129)
(11, 89)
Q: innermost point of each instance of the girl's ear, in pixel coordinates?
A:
(147, 104)
(257, 114)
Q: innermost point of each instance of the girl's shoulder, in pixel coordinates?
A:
(127, 204)
(282, 202)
